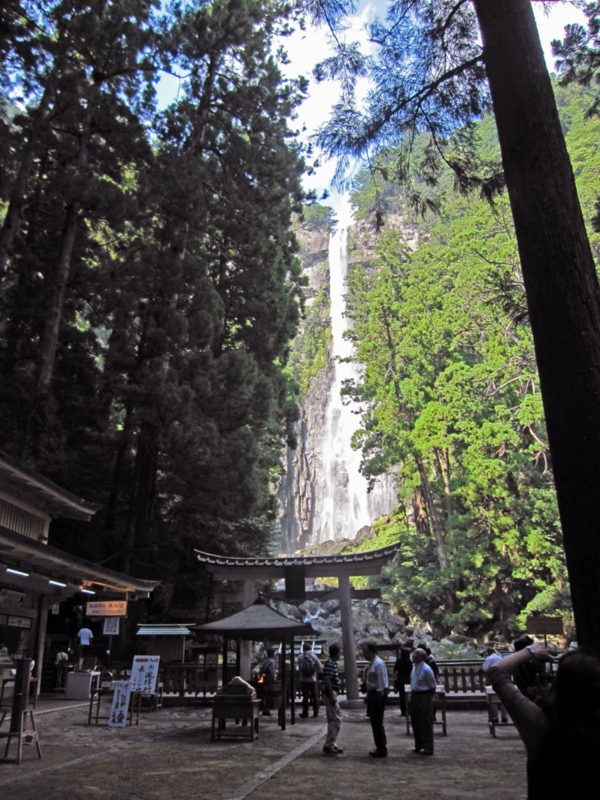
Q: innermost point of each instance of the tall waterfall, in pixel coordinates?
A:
(343, 504)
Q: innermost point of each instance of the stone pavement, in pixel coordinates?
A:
(170, 756)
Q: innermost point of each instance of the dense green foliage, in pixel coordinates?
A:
(311, 349)
(149, 282)
(453, 402)
(438, 66)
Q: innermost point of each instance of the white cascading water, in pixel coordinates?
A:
(345, 504)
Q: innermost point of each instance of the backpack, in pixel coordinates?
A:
(308, 666)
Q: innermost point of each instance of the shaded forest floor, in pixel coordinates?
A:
(171, 755)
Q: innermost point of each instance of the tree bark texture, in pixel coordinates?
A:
(434, 518)
(561, 285)
(51, 334)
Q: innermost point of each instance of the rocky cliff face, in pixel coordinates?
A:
(373, 620)
(298, 491)
(314, 246)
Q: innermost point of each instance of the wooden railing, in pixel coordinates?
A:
(189, 678)
(463, 678)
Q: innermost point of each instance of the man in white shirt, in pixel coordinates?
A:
(376, 687)
(85, 637)
(422, 693)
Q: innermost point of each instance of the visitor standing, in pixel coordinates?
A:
(422, 693)
(331, 679)
(266, 678)
(84, 637)
(267, 670)
(492, 657)
(376, 687)
(310, 668)
(403, 668)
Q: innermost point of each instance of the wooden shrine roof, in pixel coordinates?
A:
(43, 563)
(258, 621)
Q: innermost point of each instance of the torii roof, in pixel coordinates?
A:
(369, 562)
(257, 621)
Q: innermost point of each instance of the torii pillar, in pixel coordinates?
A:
(248, 597)
(348, 643)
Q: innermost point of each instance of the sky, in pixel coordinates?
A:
(306, 49)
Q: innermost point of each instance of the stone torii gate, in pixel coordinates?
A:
(294, 570)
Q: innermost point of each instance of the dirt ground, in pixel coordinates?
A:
(170, 756)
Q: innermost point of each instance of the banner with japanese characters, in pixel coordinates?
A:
(144, 672)
(106, 608)
(120, 705)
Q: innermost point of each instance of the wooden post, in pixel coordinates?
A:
(348, 642)
(40, 638)
(281, 711)
(238, 657)
(224, 670)
(248, 597)
(292, 682)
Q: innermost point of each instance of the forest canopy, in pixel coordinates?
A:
(149, 280)
(451, 398)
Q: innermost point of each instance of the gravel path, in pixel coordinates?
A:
(170, 756)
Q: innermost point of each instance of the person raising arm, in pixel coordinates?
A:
(561, 731)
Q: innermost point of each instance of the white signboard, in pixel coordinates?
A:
(120, 705)
(111, 626)
(19, 622)
(144, 672)
(8, 597)
(106, 608)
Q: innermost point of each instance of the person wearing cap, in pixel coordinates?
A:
(422, 693)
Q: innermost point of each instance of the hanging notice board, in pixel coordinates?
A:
(144, 673)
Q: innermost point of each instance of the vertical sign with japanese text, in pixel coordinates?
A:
(120, 705)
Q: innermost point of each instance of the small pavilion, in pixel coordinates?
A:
(260, 622)
(294, 570)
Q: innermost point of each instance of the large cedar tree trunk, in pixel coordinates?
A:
(562, 289)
